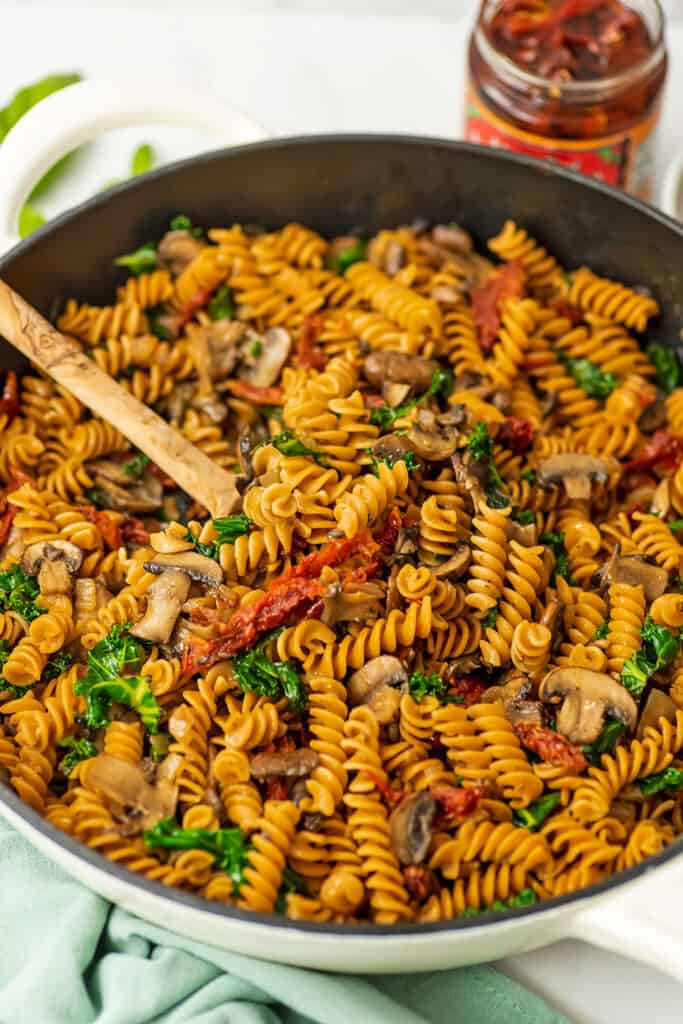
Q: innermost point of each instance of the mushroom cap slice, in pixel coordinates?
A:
(456, 565)
(191, 563)
(634, 570)
(573, 470)
(587, 697)
(165, 598)
(658, 705)
(385, 670)
(265, 368)
(51, 551)
(410, 827)
(289, 763)
(389, 366)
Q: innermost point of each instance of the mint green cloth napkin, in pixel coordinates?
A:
(69, 957)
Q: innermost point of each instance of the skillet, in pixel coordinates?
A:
(335, 184)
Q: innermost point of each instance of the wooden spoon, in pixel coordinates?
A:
(62, 358)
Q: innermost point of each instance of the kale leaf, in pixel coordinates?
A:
(602, 631)
(354, 253)
(409, 457)
(555, 541)
(670, 778)
(19, 593)
(140, 261)
(523, 516)
(79, 750)
(533, 816)
(526, 898)
(660, 647)
(441, 385)
(228, 529)
(422, 685)
(104, 682)
(606, 742)
(291, 882)
(56, 665)
(221, 304)
(665, 362)
(136, 466)
(228, 846)
(256, 673)
(288, 444)
(589, 377)
(480, 448)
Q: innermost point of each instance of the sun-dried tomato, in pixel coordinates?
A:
(662, 450)
(105, 523)
(487, 300)
(134, 531)
(9, 402)
(193, 305)
(276, 789)
(455, 801)
(470, 688)
(333, 554)
(419, 881)
(516, 434)
(261, 396)
(389, 795)
(7, 514)
(564, 308)
(390, 531)
(308, 355)
(157, 471)
(551, 747)
(373, 401)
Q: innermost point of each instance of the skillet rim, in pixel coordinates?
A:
(189, 900)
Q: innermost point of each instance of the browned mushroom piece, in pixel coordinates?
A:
(292, 764)
(653, 417)
(464, 665)
(471, 477)
(456, 566)
(190, 563)
(376, 684)
(525, 534)
(587, 697)
(632, 569)
(399, 368)
(123, 493)
(551, 616)
(125, 788)
(357, 605)
(660, 503)
(513, 693)
(393, 394)
(657, 705)
(432, 439)
(176, 250)
(573, 470)
(263, 370)
(165, 598)
(410, 827)
(54, 562)
(391, 448)
(450, 236)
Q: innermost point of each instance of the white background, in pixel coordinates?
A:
(317, 71)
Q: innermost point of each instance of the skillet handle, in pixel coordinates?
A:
(643, 920)
(80, 113)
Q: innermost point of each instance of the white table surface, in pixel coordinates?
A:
(316, 72)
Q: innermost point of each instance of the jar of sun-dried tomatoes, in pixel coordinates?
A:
(575, 81)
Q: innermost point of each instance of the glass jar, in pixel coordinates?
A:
(601, 121)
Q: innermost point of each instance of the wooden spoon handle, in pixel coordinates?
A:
(61, 358)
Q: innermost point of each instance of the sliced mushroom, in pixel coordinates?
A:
(464, 665)
(54, 562)
(456, 566)
(657, 705)
(410, 827)
(391, 448)
(191, 563)
(292, 764)
(176, 250)
(513, 694)
(661, 499)
(632, 569)
(399, 368)
(653, 417)
(432, 439)
(526, 535)
(124, 785)
(551, 617)
(394, 394)
(587, 697)
(165, 598)
(375, 684)
(357, 605)
(264, 369)
(122, 493)
(573, 470)
(450, 236)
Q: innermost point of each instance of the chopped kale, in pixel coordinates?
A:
(602, 631)
(228, 846)
(676, 525)
(670, 778)
(660, 647)
(59, 663)
(136, 466)
(354, 253)
(256, 673)
(441, 385)
(528, 475)
(141, 261)
(158, 329)
(422, 685)
(524, 516)
(105, 682)
(665, 362)
(480, 448)
(606, 742)
(589, 377)
(526, 898)
(555, 541)
(19, 593)
(409, 457)
(221, 305)
(79, 750)
(490, 619)
(229, 528)
(291, 882)
(533, 816)
(182, 223)
(288, 444)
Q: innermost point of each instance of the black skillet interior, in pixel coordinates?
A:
(334, 184)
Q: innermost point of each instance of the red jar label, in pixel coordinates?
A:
(625, 160)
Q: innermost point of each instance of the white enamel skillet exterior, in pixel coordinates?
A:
(638, 913)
